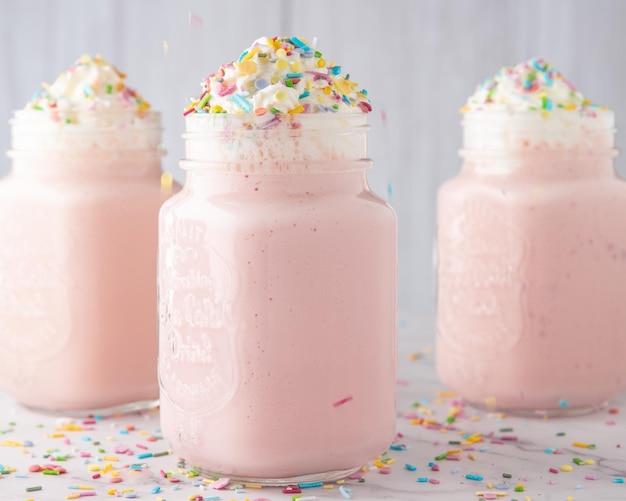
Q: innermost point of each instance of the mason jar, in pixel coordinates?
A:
(532, 264)
(78, 238)
(277, 301)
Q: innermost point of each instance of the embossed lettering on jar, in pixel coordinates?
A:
(532, 264)
(277, 280)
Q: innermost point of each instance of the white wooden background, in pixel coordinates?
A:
(419, 60)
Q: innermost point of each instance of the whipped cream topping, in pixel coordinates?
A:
(533, 85)
(91, 92)
(278, 76)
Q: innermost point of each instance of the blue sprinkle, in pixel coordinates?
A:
(156, 489)
(536, 65)
(20, 475)
(395, 447)
(549, 451)
(455, 471)
(309, 485)
(175, 487)
(294, 75)
(144, 455)
(562, 403)
(335, 70)
(299, 43)
(618, 480)
(431, 463)
(484, 449)
(322, 107)
(123, 432)
(578, 486)
(503, 487)
(422, 479)
(345, 99)
(410, 467)
(243, 54)
(469, 476)
(304, 94)
(241, 102)
(212, 498)
(27, 443)
(261, 83)
(345, 492)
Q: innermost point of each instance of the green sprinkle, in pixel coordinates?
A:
(578, 461)
(591, 446)
(451, 419)
(34, 488)
(361, 480)
(159, 454)
(454, 442)
(519, 489)
(289, 82)
(109, 89)
(415, 405)
(50, 472)
(318, 54)
(507, 475)
(205, 100)
(560, 434)
(101, 451)
(506, 430)
(441, 456)
(274, 111)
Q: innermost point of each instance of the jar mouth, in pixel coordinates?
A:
(536, 130)
(34, 131)
(275, 143)
(277, 167)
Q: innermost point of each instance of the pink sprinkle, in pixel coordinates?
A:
(433, 481)
(187, 112)
(490, 495)
(163, 474)
(116, 480)
(95, 476)
(383, 116)
(436, 443)
(385, 470)
(553, 470)
(89, 421)
(469, 448)
(495, 441)
(121, 449)
(342, 401)
(355, 476)
(401, 382)
(67, 441)
(610, 423)
(435, 467)
(453, 458)
(510, 438)
(591, 477)
(551, 482)
(85, 454)
(84, 494)
(228, 90)
(220, 483)
(195, 20)
(141, 446)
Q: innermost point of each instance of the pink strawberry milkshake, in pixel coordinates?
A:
(532, 250)
(277, 277)
(78, 233)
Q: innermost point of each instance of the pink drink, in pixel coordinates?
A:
(277, 305)
(78, 237)
(532, 263)
(77, 292)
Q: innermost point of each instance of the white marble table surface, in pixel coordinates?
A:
(525, 459)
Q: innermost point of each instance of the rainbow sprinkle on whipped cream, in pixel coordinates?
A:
(533, 85)
(279, 76)
(91, 86)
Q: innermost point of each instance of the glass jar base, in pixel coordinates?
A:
(328, 476)
(543, 413)
(115, 410)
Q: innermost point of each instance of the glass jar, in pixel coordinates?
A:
(277, 286)
(78, 233)
(532, 265)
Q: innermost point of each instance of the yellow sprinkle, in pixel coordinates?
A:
(281, 53)
(321, 62)
(570, 498)
(130, 489)
(471, 456)
(527, 498)
(454, 451)
(73, 496)
(247, 67)
(475, 418)
(580, 444)
(412, 356)
(112, 492)
(12, 443)
(446, 394)
(254, 486)
(110, 458)
(56, 435)
(93, 467)
(295, 66)
(391, 461)
(299, 109)
(281, 64)
(329, 486)
(84, 487)
(379, 464)
(489, 485)
(108, 467)
(464, 109)
(590, 461)
(69, 427)
(567, 467)
(490, 403)
(340, 482)
(193, 497)
(251, 54)
(167, 181)
(520, 486)
(110, 438)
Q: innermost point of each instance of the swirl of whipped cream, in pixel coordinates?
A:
(533, 85)
(280, 75)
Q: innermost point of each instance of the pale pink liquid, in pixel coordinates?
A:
(532, 281)
(277, 337)
(77, 288)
